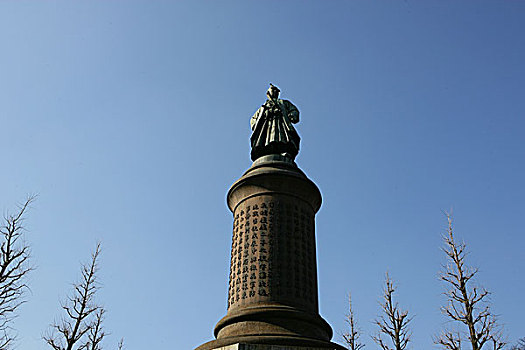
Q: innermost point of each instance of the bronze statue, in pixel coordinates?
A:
(273, 132)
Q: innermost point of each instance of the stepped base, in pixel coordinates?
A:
(269, 343)
(240, 346)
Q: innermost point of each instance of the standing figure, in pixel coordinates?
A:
(273, 132)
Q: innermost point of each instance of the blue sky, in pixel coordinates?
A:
(131, 120)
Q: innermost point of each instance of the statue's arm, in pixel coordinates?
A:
(293, 112)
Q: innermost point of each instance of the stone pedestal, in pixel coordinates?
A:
(265, 347)
(272, 298)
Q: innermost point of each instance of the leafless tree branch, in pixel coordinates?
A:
(96, 332)
(14, 267)
(81, 327)
(352, 335)
(520, 345)
(120, 345)
(467, 304)
(393, 323)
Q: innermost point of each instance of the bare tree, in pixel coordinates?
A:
(14, 268)
(81, 326)
(467, 304)
(393, 323)
(351, 337)
(96, 333)
(520, 345)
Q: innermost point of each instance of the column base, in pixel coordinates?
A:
(269, 343)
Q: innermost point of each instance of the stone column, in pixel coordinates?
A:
(272, 296)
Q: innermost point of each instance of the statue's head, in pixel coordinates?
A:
(273, 92)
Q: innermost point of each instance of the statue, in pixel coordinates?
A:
(273, 132)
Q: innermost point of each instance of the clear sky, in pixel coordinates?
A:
(131, 120)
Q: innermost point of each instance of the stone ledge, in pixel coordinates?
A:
(240, 346)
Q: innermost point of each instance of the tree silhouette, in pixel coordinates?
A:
(14, 268)
(81, 326)
(352, 335)
(467, 304)
(393, 323)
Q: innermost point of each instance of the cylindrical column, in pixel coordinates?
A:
(273, 245)
(272, 297)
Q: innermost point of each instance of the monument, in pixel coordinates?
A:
(272, 297)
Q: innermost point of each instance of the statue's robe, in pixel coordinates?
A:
(273, 132)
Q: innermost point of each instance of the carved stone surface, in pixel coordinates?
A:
(272, 297)
(273, 253)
